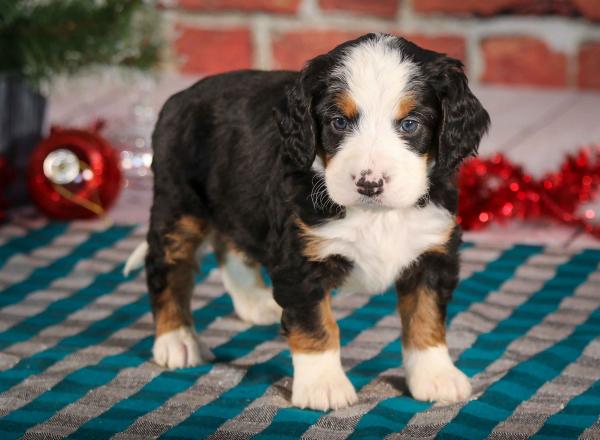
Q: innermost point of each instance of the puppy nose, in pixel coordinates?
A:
(369, 187)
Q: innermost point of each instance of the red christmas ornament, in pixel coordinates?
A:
(74, 174)
(496, 190)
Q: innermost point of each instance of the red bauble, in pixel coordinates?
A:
(74, 174)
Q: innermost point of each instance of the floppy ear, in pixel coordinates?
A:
(296, 126)
(294, 115)
(464, 120)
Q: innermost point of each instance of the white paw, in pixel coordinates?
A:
(180, 348)
(257, 306)
(447, 385)
(431, 376)
(320, 382)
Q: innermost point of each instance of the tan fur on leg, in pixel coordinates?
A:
(319, 379)
(430, 373)
(177, 344)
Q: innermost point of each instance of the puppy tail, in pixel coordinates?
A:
(136, 259)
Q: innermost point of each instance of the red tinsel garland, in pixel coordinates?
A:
(496, 190)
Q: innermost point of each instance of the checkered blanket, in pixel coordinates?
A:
(76, 336)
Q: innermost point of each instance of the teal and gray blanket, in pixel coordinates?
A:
(76, 336)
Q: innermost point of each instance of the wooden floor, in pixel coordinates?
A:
(535, 128)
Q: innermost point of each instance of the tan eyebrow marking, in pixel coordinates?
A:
(347, 105)
(405, 106)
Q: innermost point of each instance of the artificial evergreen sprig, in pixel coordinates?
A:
(42, 38)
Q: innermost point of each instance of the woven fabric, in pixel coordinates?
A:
(76, 336)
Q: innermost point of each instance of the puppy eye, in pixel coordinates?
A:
(339, 123)
(409, 125)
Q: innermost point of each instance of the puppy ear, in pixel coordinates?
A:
(296, 126)
(464, 120)
(294, 115)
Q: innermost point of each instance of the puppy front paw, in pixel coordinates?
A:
(431, 376)
(324, 394)
(320, 382)
(447, 385)
(180, 348)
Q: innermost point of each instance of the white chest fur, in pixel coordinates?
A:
(383, 243)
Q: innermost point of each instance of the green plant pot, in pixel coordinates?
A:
(22, 111)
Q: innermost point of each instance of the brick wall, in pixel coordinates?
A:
(540, 43)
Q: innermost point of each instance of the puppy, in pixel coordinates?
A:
(341, 175)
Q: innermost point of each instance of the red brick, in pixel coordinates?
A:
(493, 7)
(589, 66)
(207, 51)
(523, 60)
(590, 9)
(277, 6)
(380, 8)
(291, 50)
(487, 7)
(451, 45)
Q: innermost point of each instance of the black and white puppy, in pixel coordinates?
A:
(341, 175)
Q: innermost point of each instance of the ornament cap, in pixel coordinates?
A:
(61, 166)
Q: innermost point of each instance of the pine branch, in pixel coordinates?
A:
(43, 39)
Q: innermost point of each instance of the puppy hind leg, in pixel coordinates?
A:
(252, 299)
(170, 268)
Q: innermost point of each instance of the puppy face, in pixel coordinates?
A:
(378, 117)
(374, 130)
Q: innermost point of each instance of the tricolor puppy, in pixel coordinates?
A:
(342, 176)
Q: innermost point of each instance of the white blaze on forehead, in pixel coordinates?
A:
(377, 77)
